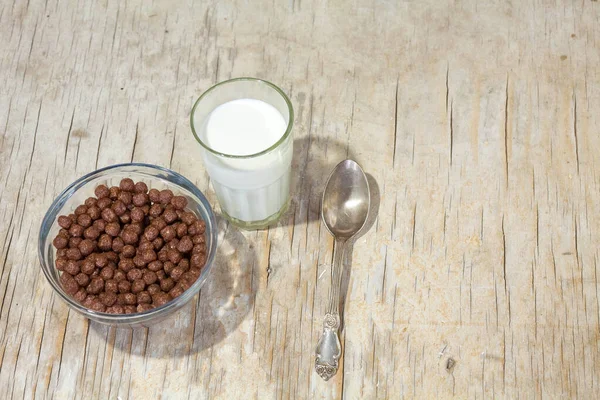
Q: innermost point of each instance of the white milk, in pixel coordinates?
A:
(249, 189)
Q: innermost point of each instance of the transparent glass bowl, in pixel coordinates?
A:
(155, 177)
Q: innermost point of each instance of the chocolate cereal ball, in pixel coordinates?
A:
(126, 265)
(128, 251)
(107, 273)
(153, 289)
(70, 285)
(119, 208)
(160, 299)
(74, 241)
(158, 243)
(179, 202)
(80, 295)
(141, 187)
(118, 245)
(76, 230)
(140, 199)
(64, 222)
(167, 284)
(124, 287)
(90, 202)
(143, 306)
(74, 254)
(168, 233)
(181, 230)
(115, 309)
(108, 298)
(94, 212)
(129, 298)
(154, 195)
(151, 233)
(61, 263)
(125, 218)
(101, 191)
(96, 286)
(185, 244)
(119, 275)
(113, 229)
(129, 236)
(114, 192)
(154, 266)
(137, 286)
(145, 245)
(99, 224)
(105, 242)
(177, 273)
(176, 291)
(165, 196)
(111, 286)
(84, 220)
(134, 274)
(125, 197)
(159, 223)
(149, 277)
(127, 184)
(82, 209)
(188, 218)
(144, 297)
(101, 260)
(170, 215)
(103, 203)
(72, 267)
(86, 247)
(88, 266)
(109, 215)
(60, 242)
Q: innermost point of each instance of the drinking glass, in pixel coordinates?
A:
(253, 190)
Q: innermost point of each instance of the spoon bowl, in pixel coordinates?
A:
(346, 200)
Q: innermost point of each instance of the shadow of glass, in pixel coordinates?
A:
(219, 308)
(312, 163)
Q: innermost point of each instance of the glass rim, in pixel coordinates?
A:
(286, 134)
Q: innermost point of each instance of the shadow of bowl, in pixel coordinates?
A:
(219, 308)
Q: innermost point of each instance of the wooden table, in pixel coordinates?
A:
(477, 122)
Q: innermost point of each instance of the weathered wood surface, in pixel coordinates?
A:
(478, 121)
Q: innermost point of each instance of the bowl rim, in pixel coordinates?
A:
(138, 317)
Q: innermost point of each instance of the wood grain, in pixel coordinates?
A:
(477, 122)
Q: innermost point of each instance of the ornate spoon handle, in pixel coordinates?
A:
(329, 348)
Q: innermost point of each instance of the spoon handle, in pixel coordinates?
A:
(329, 348)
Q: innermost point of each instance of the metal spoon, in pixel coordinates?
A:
(344, 211)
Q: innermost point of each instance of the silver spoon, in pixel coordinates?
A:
(344, 210)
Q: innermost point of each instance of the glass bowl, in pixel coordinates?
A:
(155, 177)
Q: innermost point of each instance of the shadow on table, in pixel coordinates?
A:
(347, 266)
(222, 304)
(312, 163)
(314, 160)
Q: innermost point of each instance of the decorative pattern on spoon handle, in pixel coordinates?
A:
(329, 349)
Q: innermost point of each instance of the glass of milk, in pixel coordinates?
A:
(244, 127)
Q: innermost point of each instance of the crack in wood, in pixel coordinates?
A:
(506, 131)
(575, 129)
(395, 123)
